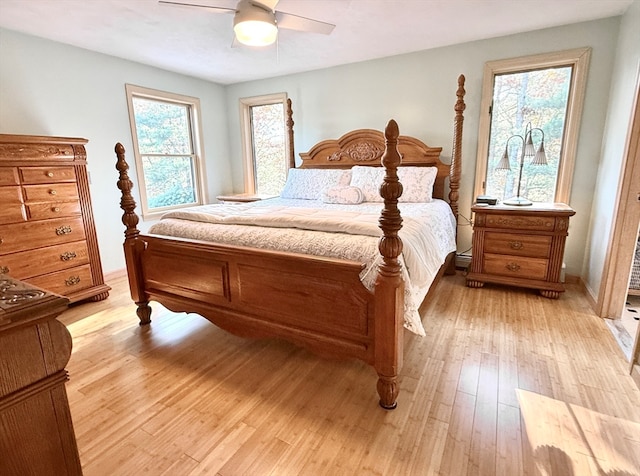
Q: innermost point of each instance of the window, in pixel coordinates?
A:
(265, 143)
(167, 149)
(544, 92)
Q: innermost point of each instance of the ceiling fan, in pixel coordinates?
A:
(256, 22)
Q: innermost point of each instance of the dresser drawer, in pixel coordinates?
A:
(47, 210)
(32, 175)
(11, 210)
(9, 176)
(27, 264)
(543, 223)
(66, 281)
(521, 267)
(517, 245)
(52, 191)
(31, 235)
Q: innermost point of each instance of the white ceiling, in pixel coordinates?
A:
(197, 42)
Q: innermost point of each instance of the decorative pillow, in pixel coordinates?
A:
(310, 184)
(417, 182)
(343, 194)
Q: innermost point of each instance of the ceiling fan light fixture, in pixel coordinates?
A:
(254, 26)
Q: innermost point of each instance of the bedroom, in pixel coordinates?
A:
(53, 89)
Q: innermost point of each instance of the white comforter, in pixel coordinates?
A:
(340, 231)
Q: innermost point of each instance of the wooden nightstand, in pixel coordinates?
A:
(520, 246)
(244, 197)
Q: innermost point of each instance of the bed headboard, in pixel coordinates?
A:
(366, 146)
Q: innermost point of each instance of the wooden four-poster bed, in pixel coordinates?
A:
(319, 302)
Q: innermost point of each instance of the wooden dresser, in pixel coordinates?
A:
(36, 430)
(47, 231)
(520, 246)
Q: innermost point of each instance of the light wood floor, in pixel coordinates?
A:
(506, 383)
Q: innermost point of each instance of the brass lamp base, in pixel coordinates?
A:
(518, 202)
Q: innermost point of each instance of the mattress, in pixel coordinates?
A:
(331, 230)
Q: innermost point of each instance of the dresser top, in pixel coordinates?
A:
(21, 303)
(536, 208)
(28, 139)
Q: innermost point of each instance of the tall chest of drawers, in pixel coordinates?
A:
(47, 231)
(520, 246)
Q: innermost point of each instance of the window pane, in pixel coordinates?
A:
(162, 128)
(169, 181)
(268, 136)
(538, 97)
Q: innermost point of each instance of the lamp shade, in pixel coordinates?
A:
(529, 150)
(504, 162)
(540, 157)
(255, 26)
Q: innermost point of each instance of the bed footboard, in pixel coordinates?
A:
(319, 303)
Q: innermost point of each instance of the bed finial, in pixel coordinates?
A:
(389, 289)
(289, 124)
(456, 153)
(127, 203)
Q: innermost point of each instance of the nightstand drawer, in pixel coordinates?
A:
(541, 223)
(517, 244)
(530, 268)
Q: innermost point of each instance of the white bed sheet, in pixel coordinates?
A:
(349, 232)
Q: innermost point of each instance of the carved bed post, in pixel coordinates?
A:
(289, 123)
(133, 246)
(456, 160)
(456, 153)
(389, 288)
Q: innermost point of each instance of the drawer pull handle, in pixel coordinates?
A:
(52, 192)
(63, 230)
(55, 209)
(72, 281)
(513, 267)
(68, 255)
(1, 241)
(49, 174)
(4, 269)
(516, 245)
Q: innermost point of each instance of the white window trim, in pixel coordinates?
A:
(245, 127)
(579, 59)
(198, 147)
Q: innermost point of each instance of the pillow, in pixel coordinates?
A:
(309, 184)
(417, 182)
(343, 194)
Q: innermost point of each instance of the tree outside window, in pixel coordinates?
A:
(265, 143)
(538, 98)
(168, 165)
(547, 92)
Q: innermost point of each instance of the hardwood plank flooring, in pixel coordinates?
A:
(505, 383)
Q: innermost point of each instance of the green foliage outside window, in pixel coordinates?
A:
(268, 135)
(541, 98)
(164, 140)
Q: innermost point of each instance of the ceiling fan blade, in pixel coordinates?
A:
(197, 5)
(271, 4)
(295, 22)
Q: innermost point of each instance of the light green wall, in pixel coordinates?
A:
(47, 88)
(418, 91)
(625, 77)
